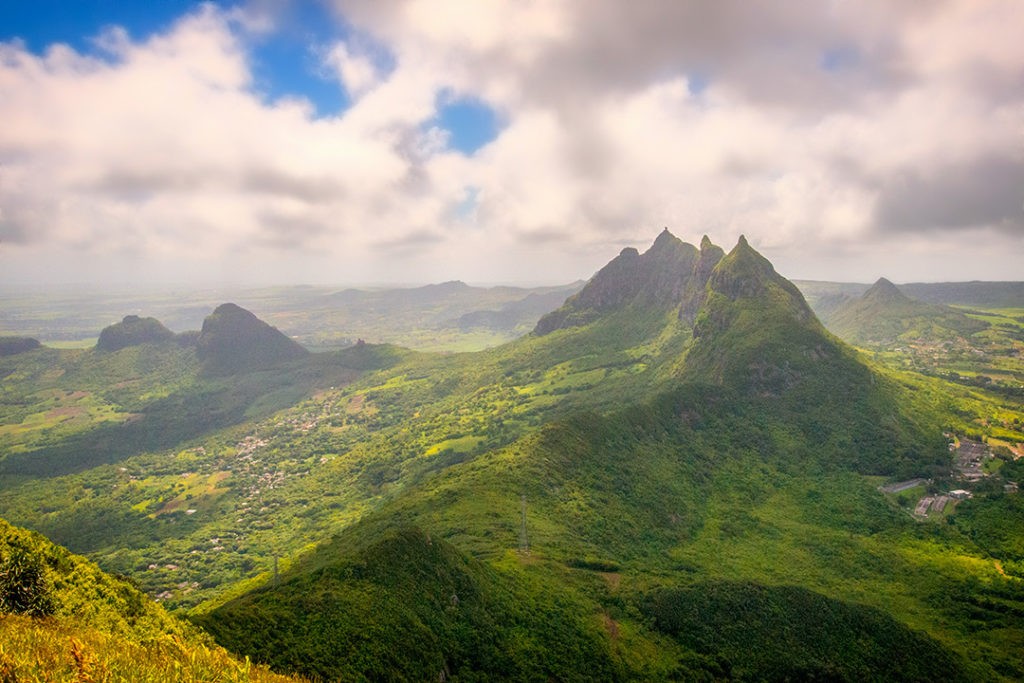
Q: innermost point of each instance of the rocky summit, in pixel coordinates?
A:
(670, 274)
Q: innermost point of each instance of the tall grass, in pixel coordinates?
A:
(42, 650)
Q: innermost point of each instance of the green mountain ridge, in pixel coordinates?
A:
(612, 505)
(598, 500)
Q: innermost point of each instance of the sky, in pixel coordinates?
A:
(514, 141)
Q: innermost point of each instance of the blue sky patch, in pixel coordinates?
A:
(469, 121)
(697, 82)
(465, 209)
(40, 23)
(286, 63)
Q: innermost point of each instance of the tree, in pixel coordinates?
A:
(24, 588)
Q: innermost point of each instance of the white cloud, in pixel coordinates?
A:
(356, 72)
(161, 149)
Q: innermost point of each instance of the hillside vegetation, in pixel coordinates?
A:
(753, 458)
(61, 618)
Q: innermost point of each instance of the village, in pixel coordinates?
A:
(969, 469)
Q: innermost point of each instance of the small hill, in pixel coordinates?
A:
(408, 606)
(667, 274)
(792, 634)
(11, 346)
(234, 340)
(884, 315)
(132, 331)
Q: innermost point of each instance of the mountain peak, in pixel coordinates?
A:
(746, 309)
(657, 278)
(235, 340)
(667, 245)
(883, 291)
(231, 309)
(705, 243)
(884, 314)
(663, 239)
(744, 272)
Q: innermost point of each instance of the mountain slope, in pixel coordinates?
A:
(756, 334)
(61, 618)
(407, 606)
(665, 495)
(789, 633)
(884, 315)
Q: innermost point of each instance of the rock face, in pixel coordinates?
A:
(695, 290)
(670, 274)
(132, 331)
(10, 346)
(234, 340)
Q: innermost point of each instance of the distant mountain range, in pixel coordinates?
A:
(825, 297)
(885, 315)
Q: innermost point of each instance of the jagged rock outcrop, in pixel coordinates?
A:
(234, 340)
(696, 287)
(744, 276)
(132, 331)
(670, 274)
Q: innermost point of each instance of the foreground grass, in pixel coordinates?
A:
(33, 649)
